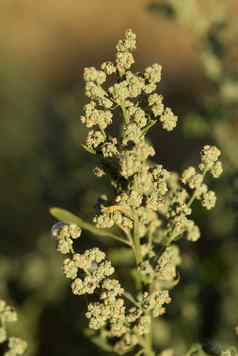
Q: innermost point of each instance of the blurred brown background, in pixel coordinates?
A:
(54, 40)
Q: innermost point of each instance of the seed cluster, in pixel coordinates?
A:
(128, 94)
(91, 273)
(16, 346)
(65, 234)
(151, 206)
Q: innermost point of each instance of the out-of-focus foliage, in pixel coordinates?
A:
(214, 31)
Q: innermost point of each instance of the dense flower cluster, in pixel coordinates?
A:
(151, 207)
(65, 234)
(16, 346)
(91, 273)
(98, 113)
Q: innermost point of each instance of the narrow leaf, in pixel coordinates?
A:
(69, 218)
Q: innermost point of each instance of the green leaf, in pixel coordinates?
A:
(196, 350)
(66, 216)
(69, 218)
(99, 340)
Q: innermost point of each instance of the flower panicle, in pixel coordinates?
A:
(151, 206)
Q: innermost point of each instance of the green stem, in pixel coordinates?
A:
(139, 353)
(148, 347)
(193, 197)
(148, 127)
(137, 247)
(124, 112)
(190, 202)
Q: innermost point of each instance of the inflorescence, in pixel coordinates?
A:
(150, 209)
(15, 346)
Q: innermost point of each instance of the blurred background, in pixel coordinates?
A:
(44, 47)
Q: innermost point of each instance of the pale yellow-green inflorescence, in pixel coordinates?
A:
(65, 234)
(91, 272)
(151, 206)
(15, 345)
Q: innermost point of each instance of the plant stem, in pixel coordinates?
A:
(124, 112)
(137, 247)
(193, 197)
(148, 348)
(189, 204)
(148, 127)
